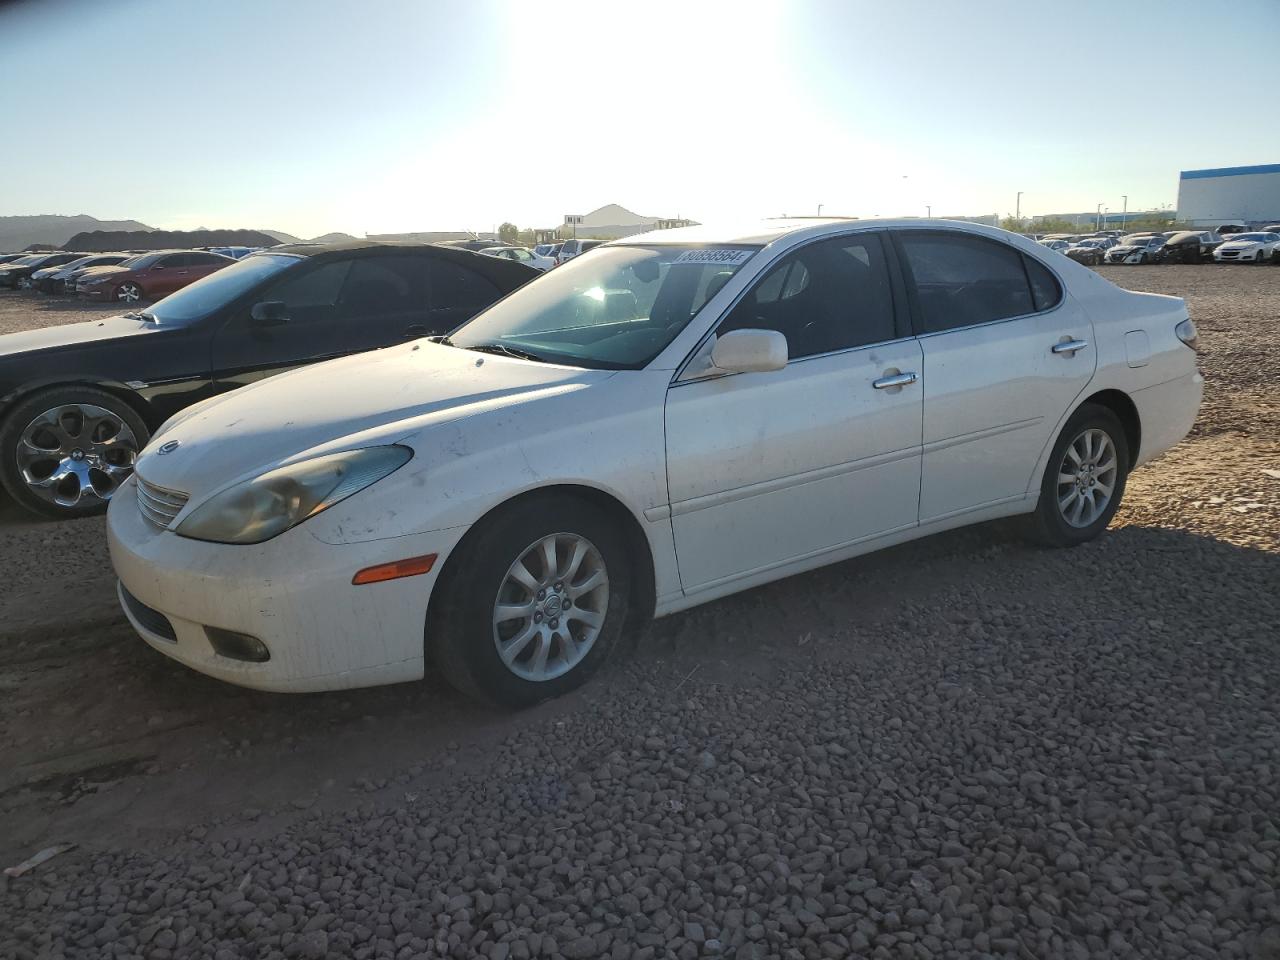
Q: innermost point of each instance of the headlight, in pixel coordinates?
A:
(268, 505)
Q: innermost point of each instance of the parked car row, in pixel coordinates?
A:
(1174, 246)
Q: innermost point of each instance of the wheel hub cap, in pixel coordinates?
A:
(550, 607)
(75, 452)
(1087, 477)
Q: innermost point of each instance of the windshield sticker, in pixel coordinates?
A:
(730, 257)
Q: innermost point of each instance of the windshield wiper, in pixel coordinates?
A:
(442, 339)
(502, 348)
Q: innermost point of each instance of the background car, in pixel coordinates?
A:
(1085, 252)
(10, 257)
(496, 506)
(547, 250)
(574, 248)
(56, 279)
(82, 399)
(1256, 247)
(235, 253)
(520, 255)
(1136, 248)
(17, 273)
(1189, 246)
(150, 276)
(1057, 244)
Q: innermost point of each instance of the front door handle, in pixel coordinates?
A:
(1070, 347)
(894, 380)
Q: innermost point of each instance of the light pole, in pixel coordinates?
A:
(819, 209)
(928, 211)
(1097, 219)
(1125, 213)
(1017, 208)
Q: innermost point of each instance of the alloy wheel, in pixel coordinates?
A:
(551, 607)
(76, 451)
(1087, 477)
(129, 293)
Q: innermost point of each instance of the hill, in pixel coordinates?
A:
(281, 237)
(107, 240)
(18, 233)
(333, 238)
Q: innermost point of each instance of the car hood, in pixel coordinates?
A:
(384, 396)
(73, 335)
(94, 273)
(1241, 245)
(46, 272)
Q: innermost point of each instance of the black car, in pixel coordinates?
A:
(17, 273)
(1190, 246)
(78, 402)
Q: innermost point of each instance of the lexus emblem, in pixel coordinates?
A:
(168, 447)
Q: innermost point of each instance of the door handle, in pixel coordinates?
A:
(1069, 347)
(894, 380)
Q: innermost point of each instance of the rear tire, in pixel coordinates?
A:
(499, 606)
(1089, 460)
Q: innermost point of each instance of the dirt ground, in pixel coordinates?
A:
(964, 746)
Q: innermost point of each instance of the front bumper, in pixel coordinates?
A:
(1238, 256)
(294, 593)
(95, 292)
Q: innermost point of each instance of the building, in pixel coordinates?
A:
(612, 221)
(1247, 195)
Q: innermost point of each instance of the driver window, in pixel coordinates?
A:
(311, 292)
(827, 296)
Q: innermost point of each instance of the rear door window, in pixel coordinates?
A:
(961, 280)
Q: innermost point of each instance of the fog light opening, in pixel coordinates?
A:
(237, 646)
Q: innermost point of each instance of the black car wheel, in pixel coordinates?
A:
(65, 451)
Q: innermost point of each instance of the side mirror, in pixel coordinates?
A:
(750, 351)
(270, 313)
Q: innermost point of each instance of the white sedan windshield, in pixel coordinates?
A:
(615, 308)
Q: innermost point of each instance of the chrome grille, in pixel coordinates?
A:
(158, 505)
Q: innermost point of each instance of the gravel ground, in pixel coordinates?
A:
(963, 747)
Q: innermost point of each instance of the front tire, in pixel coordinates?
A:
(128, 292)
(533, 604)
(1084, 480)
(64, 452)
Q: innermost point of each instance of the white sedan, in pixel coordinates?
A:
(1249, 248)
(520, 255)
(680, 416)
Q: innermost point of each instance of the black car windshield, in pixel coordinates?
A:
(616, 309)
(207, 294)
(27, 261)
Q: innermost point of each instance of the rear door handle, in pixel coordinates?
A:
(894, 380)
(1070, 347)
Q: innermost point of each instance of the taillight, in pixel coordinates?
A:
(1187, 333)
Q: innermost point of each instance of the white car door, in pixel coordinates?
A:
(1006, 352)
(769, 469)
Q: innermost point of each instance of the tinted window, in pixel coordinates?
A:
(830, 295)
(312, 288)
(204, 259)
(172, 260)
(455, 286)
(963, 280)
(382, 285)
(1045, 292)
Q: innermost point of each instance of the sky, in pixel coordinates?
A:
(383, 116)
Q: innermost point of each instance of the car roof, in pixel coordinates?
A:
(507, 273)
(763, 232)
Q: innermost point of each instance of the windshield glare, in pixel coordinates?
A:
(614, 309)
(207, 294)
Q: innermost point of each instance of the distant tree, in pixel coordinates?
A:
(508, 233)
(1013, 224)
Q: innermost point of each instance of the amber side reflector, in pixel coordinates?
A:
(412, 567)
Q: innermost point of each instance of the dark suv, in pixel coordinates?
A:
(78, 402)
